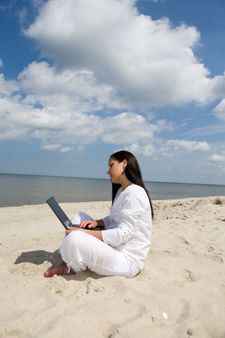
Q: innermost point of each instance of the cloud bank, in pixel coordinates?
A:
(149, 62)
(108, 67)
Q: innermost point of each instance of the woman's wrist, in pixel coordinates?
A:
(100, 223)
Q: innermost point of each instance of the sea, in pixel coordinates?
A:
(17, 189)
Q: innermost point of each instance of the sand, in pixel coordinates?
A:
(180, 293)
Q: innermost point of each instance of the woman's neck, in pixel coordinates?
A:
(125, 183)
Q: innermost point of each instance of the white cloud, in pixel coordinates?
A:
(47, 85)
(139, 57)
(219, 110)
(190, 146)
(218, 157)
(7, 88)
(126, 127)
(109, 60)
(67, 106)
(147, 150)
(60, 148)
(219, 160)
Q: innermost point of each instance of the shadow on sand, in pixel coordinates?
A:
(40, 256)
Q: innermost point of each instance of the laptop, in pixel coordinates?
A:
(54, 205)
(64, 219)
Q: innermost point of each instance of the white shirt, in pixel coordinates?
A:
(129, 225)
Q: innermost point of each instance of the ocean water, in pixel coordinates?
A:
(30, 189)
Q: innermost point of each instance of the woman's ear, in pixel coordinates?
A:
(124, 164)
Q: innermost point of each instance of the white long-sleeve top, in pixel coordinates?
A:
(129, 224)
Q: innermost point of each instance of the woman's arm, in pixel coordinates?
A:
(95, 233)
(125, 230)
(126, 216)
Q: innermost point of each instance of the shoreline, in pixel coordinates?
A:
(44, 203)
(180, 292)
(107, 179)
(108, 201)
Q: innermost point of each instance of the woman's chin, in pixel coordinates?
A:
(114, 181)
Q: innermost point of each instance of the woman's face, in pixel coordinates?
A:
(116, 170)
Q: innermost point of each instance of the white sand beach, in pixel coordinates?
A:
(180, 293)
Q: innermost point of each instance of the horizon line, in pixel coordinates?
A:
(106, 179)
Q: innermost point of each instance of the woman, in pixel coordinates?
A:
(121, 247)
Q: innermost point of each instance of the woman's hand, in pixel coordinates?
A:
(70, 229)
(85, 225)
(88, 224)
(97, 234)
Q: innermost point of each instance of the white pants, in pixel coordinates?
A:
(81, 250)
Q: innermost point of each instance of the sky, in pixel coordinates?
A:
(81, 79)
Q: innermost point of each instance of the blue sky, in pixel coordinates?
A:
(80, 80)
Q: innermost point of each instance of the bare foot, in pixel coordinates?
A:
(61, 269)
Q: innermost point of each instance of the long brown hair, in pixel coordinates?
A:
(132, 172)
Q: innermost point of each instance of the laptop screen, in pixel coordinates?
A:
(59, 212)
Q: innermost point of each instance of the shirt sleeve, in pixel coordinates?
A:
(106, 220)
(125, 231)
(129, 212)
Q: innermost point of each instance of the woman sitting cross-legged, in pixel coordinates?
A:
(121, 247)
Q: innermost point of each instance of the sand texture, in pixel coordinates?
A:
(180, 293)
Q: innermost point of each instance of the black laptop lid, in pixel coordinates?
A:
(59, 212)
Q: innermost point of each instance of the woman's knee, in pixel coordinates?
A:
(71, 241)
(74, 238)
